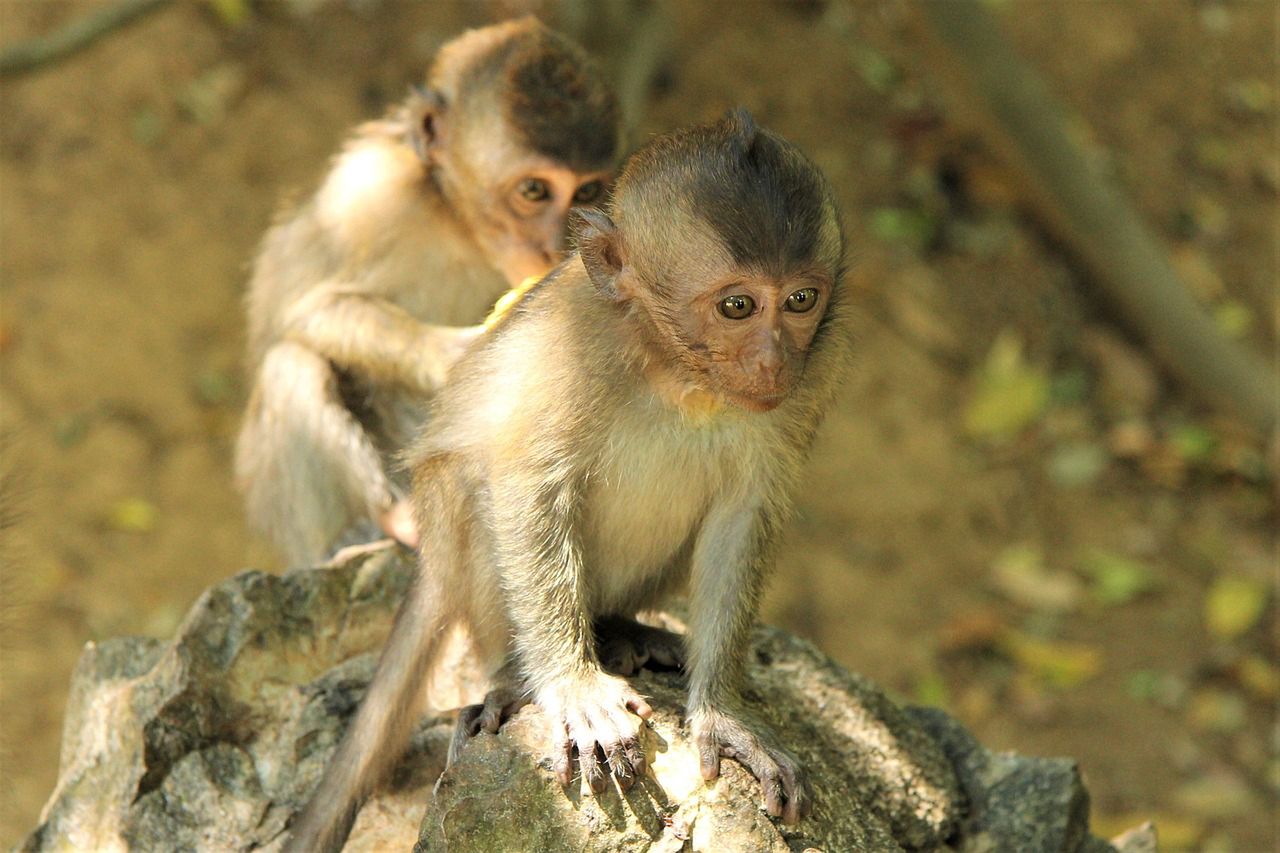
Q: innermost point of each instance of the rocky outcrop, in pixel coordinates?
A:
(214, 739)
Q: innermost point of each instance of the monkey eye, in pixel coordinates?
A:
(534, 189)
(737, 307)
(588, 192)
(802, 300)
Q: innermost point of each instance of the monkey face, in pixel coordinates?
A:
(748, 336)
(524, 233)
(518, 205)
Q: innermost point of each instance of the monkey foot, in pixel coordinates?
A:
(397, 522)
(625, 646)
(498, 706)
(782, 778)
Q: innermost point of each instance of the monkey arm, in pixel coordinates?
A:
(553, 628)
(725, 585)
(729, 559)
(544, 586)
(371, 336)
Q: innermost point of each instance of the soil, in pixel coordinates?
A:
(137, 176)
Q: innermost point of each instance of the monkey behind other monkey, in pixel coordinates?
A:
(423, 220)
(634, 426)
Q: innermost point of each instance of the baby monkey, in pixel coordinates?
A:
(635, 425)
(423, 220)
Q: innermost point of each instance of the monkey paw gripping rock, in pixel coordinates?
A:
(213, 740)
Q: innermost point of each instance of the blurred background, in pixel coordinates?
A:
(1016, 513)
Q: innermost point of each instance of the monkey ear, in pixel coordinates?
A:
(600, 246)
(425, 119)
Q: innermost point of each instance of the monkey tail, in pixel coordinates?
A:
(377, 735)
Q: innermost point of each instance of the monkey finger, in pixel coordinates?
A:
(796, 788)
(772, 787)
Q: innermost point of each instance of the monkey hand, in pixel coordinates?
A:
(438, 349)
(591, 716)
(719, 734)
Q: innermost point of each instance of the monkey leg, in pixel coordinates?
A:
(307, 467)
(625, 646)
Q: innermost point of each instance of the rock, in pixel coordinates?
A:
(214, 740)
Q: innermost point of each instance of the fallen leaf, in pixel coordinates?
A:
(1130, 439)
(931, 689)
(1019, 574)
(215, 387)
(972, 631)
(1259, 676)
(1175, 831)
(1076, 465)
(1214, 710)
(1193, 443)
(1233, 318)
(1162, 688)
(133, 515)
(233, 13)
(914, 228)
(1009, 394)
(1217, 796)
(1059, 665)
(147, 126)
(1234, 605)
(1116, 579)
(71, 430)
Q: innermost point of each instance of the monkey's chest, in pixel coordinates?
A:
(643, 509)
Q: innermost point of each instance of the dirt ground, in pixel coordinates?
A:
(1013, 513)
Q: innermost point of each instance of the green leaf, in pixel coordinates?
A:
(900, 225)
(931, 689)
(233, 13)
(1009, 394)
(1116, 579)
(1193, 443)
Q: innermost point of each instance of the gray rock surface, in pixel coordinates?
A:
(212, 741)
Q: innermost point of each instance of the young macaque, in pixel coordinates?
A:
(635, 425)
(424, 219)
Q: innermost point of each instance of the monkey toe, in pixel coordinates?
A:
(562, 761)
(589, 757)
(620, 658)
(620, 764)
(626, 646)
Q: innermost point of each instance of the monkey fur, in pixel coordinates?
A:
(422, 221)
(634, 426)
